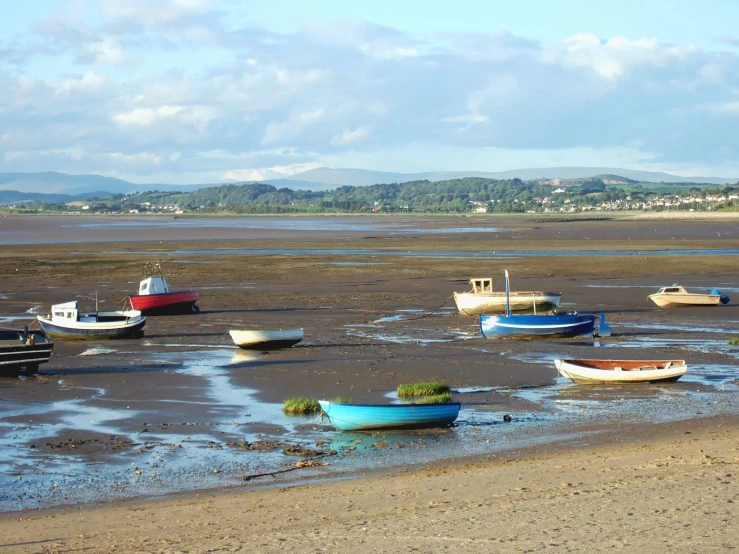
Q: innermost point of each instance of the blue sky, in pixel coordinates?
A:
(194, 91)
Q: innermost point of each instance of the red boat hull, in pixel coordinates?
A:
(167, 302)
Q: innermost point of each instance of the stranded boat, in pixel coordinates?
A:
(363, 417)
(155, 298)
(67, 322)
(23, 349)
(481, 299)
(611, 372)
(266, 340)
(511, 325)
(676, 296)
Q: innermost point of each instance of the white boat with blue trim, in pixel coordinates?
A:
(67, 322)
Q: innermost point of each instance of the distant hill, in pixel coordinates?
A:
(8, 197)
(362, 177)
(53, 182)
(322, 179)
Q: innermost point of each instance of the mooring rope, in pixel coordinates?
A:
(431, 312)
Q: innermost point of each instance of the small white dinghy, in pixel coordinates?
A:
(266, 340)
(616, 372)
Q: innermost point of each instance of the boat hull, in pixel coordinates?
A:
(18, 352)
(165, 303)
(527, 326)
(266, 340)
(621, 372)
(472, 304)
(667, 300)
(366, 417)
(109, 327)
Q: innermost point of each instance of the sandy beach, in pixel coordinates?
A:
(176, 442)
(671, 489)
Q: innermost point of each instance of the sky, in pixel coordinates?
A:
(207, 91)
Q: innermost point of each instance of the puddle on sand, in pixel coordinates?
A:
(402, 315)
(679, 328)
(399, 338)
(360, 263)
(96, 351)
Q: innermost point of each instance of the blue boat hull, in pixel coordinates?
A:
(520, 325)
(132, 331)
(363, 417)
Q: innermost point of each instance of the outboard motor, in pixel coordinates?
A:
(724, 299)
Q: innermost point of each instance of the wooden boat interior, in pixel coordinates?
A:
(627, 365)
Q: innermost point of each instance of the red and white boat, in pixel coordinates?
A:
(154, 297)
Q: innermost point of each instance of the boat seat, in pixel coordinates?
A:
(667, 365)
(618, 368)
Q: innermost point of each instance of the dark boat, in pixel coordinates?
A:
(23, 349)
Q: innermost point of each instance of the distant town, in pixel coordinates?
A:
(468, 195)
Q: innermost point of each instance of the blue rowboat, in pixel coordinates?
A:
(527, 325)
(66, 322)
(363, 417)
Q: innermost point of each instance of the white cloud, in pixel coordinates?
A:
(266, 173)
(297, 124)
(147, 12)
(137, 158)
(350, 136)
(613, 58)
(731, 108)
(107, 51)
(193, 116)
(88, 83)
(245, 175)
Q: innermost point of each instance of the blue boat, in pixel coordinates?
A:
(532, 325)
(364, 417)
(67, 322)
(521, 325)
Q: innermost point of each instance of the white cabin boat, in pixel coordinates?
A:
(67, 322)
(481, 299)
(676, 296)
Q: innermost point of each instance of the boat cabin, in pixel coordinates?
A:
(672, 290)
(153, 285)
(481, 286)
(66, 311)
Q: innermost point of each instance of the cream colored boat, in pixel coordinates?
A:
(481, 299)
(615, 372)
(266, 340)
(676, 296)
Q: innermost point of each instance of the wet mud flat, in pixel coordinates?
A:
(184, 409)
